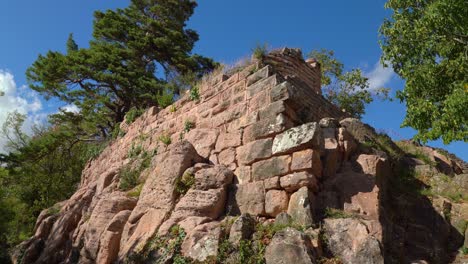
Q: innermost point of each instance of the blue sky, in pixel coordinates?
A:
(228, 31)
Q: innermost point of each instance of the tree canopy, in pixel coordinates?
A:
(134, 54)
(426, 42)
(349, 90)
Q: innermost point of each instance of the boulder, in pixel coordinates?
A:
(350, 241)
(242, 228)
(299, 207)
(158, 196)
(289, 246)
(202, 242)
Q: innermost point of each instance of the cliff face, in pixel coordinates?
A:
(261, 164)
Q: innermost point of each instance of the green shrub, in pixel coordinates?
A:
(128, 178)
(184, 183)
(135, 192)
(117, 132)
(337, 213)
(464, 250)
(173, 108)
(166, 139)
(194, 94)
(164, 100)
(162, 248)
(259, 51)
(133, 114)
(188, 125)
(134, 151)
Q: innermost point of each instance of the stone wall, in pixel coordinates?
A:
(261, 122)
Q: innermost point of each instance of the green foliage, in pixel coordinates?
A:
(134, 151)
(128, 178)
(415, 152)
(166, 139)
(173, 108)
(165, 99)
(464, 250)
(337, 213)
(194, 94)
(260, 51)
(184, 183)
(133, 114)
(116, 133)
(129, 175)
(131, 61)
(347, 90)
(41, 170)
(161, 249)
(71, 44)
(383, 142)
(188, 125)
(426, 42)
(135, 192)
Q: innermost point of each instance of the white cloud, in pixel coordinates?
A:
(19, 99)
(379, 76)
(72, 108)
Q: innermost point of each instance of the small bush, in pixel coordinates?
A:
(184, 183)
(117, 132)
(128, 178)
(166, 139)
(194, 94)
(336, 213)
(134, 151)
(135, 192)
(260, 51)
(173, 108)
(161, 249)
(133, 114)
(188, 125)
(164, 100)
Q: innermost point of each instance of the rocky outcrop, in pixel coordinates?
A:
(264, 161)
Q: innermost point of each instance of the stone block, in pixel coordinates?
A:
(262, 85)
(250, 198)
(297, 180)
(272, 183)
(282, 92)
(259, 100)
(267, 127)
(243, 174)
(255, 150)
(303, 136)
(203, 140)
(276, 201)
(227, 156)
(227, 140)
(299, 207)
(260, 74)
(275, 166)
(308, 159)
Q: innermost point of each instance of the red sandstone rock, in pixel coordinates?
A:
(275, 166)
(228, 140)
(297, 180)
(250, 198)
(255, 150)
(308, 159)
(276, 201)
